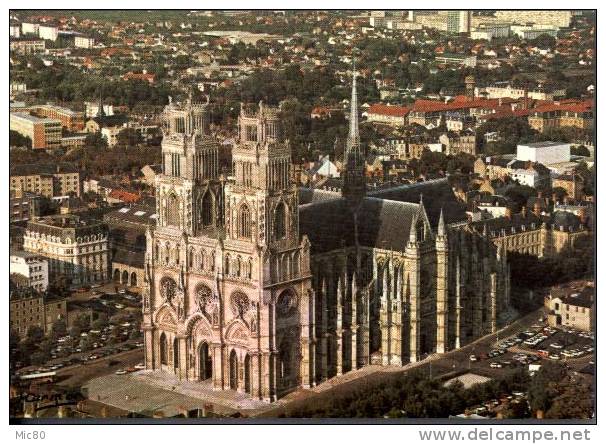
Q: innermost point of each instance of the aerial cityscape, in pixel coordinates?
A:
(302, 214)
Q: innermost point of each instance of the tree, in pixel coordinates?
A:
(14, 338)
(542, 389)
(580, 150)
(35, 333)
(59, 328)
(16, 139)
(544, 41)
(74, 332)
(101, 322)
(574, 401)
(129, 137)
(82, 321)
(38, 358)
(95, 140)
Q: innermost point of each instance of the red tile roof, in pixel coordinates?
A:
(125, 196)
(388, 110)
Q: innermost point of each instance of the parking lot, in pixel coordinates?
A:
(536, 343)
(117, 336)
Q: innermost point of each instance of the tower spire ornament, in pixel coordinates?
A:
(354, 181)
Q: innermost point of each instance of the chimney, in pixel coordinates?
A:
(524, 211)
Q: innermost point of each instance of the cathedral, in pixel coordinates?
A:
(252, 284)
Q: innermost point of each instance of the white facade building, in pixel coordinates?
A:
(81, 41)
(546, 153)
(15, 30)
(525, 177)
(31, 266)
(30, 28)
(75, 249)
(48, 32)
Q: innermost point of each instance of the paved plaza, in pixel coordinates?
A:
(163, 394)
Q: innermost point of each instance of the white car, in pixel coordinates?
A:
(121, 372)
(496, 365)
(140, 366)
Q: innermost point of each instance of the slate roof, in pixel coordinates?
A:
(385, 217)
(309, 195)
(437, 195)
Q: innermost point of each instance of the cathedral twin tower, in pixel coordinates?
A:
(237, 297)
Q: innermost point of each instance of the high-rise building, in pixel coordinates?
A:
(44, 133)
(458, 22)
(557, 18)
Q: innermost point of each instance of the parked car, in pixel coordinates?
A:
(120, 372)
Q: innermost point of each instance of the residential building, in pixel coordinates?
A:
(563, 114)
(30, 28)
(44, 133)
(70, 120)
(15, 30)
(48, 32)
(27, 45)
(23, 205)
(76, 248)
(572, 183)
(489, 31)
(557, 18)
(45, 180)
(531, 232)
(31, 308)
(32, 267)
(81, 41)
(508, 90)
(387, 114)
(458, 22)
(532, 32)
(462, 142)
(572, 305)
(469, 61)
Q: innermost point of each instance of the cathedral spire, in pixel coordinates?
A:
(353, 138)
(354, 181)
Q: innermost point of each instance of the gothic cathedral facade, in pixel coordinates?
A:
(228, 285)
(256, 286)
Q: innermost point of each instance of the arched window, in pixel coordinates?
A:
(420, 231)
(191, 258)
(249, 269)
(163, 350)
(207, 210)
(172, 210)
(244, 222)
(239, 267)
(280, 221)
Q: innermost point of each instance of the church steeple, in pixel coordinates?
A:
(354, 181)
